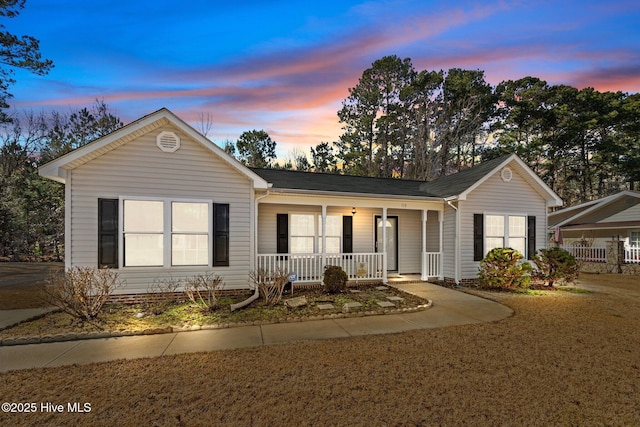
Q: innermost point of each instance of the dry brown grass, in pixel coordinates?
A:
(561, 359)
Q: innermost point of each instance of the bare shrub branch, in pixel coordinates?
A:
(202, 290)
(271, 284)
(81, 291)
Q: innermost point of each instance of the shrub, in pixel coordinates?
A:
(270, 284)
(81, 291)
(502, 269)
(556, 264)
(335, 279)
(202, 290)
(161, 294)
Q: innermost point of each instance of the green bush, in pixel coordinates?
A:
(335, 279)
(556, 265)
(502, 269)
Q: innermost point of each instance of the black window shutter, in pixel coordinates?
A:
(220, 234)
(478, 237)
(347, 234)
(107, 233)
(531, 237)
(283, 233)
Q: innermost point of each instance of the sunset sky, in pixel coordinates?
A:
(285, 66)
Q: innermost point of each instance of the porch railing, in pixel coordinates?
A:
(632, 254)
(587, 253)
(431, 260)
(309, 268)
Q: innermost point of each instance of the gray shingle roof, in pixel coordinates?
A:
(457, 183)
(442, 187)
(310, 181)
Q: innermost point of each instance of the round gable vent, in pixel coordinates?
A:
(168, 142)
(506, 174)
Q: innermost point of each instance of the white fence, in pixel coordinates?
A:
(432, 261)
(632, 254)
(309, 268)
(587, 253)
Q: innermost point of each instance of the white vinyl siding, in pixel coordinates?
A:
(140, 169)
(496, 196)
(630, 214)
(449, 253)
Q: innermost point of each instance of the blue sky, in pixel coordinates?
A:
(285, 66)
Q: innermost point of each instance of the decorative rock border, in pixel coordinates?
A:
(76, 336)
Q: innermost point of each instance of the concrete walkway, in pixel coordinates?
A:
(13, 317)
(450, 307)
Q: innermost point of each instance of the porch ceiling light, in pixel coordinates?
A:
(353, 211)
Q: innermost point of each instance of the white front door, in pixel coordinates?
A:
(392, 240)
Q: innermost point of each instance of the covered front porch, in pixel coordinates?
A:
(302, 234)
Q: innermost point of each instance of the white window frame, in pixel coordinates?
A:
(317, 232)
(332, 236)
(167, 231)
(506, 235)
(302, 236)
(631, 239)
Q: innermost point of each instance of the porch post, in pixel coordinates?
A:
(324, 236)
(441, 246)
(423, 262)
(384, 245)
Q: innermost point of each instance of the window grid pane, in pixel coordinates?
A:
(494, 242)
(302, 225)
(189, 249)
(495, 225)
(517, 226)
(143, 250)
(301, 245)
(143, 216)
(189, 217)
(518, 243)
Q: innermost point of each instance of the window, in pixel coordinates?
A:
(518, 233)
(306, 236)
(634, 239)
(162, 233)
(190, 233)
(500, 231)
(302, 233)
(332, 234)
(143, 233)
(494, 235)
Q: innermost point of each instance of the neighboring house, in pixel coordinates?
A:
(156, 198)
(616, 217)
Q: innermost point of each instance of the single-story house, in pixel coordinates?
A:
(616, 217)
(156, 198)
